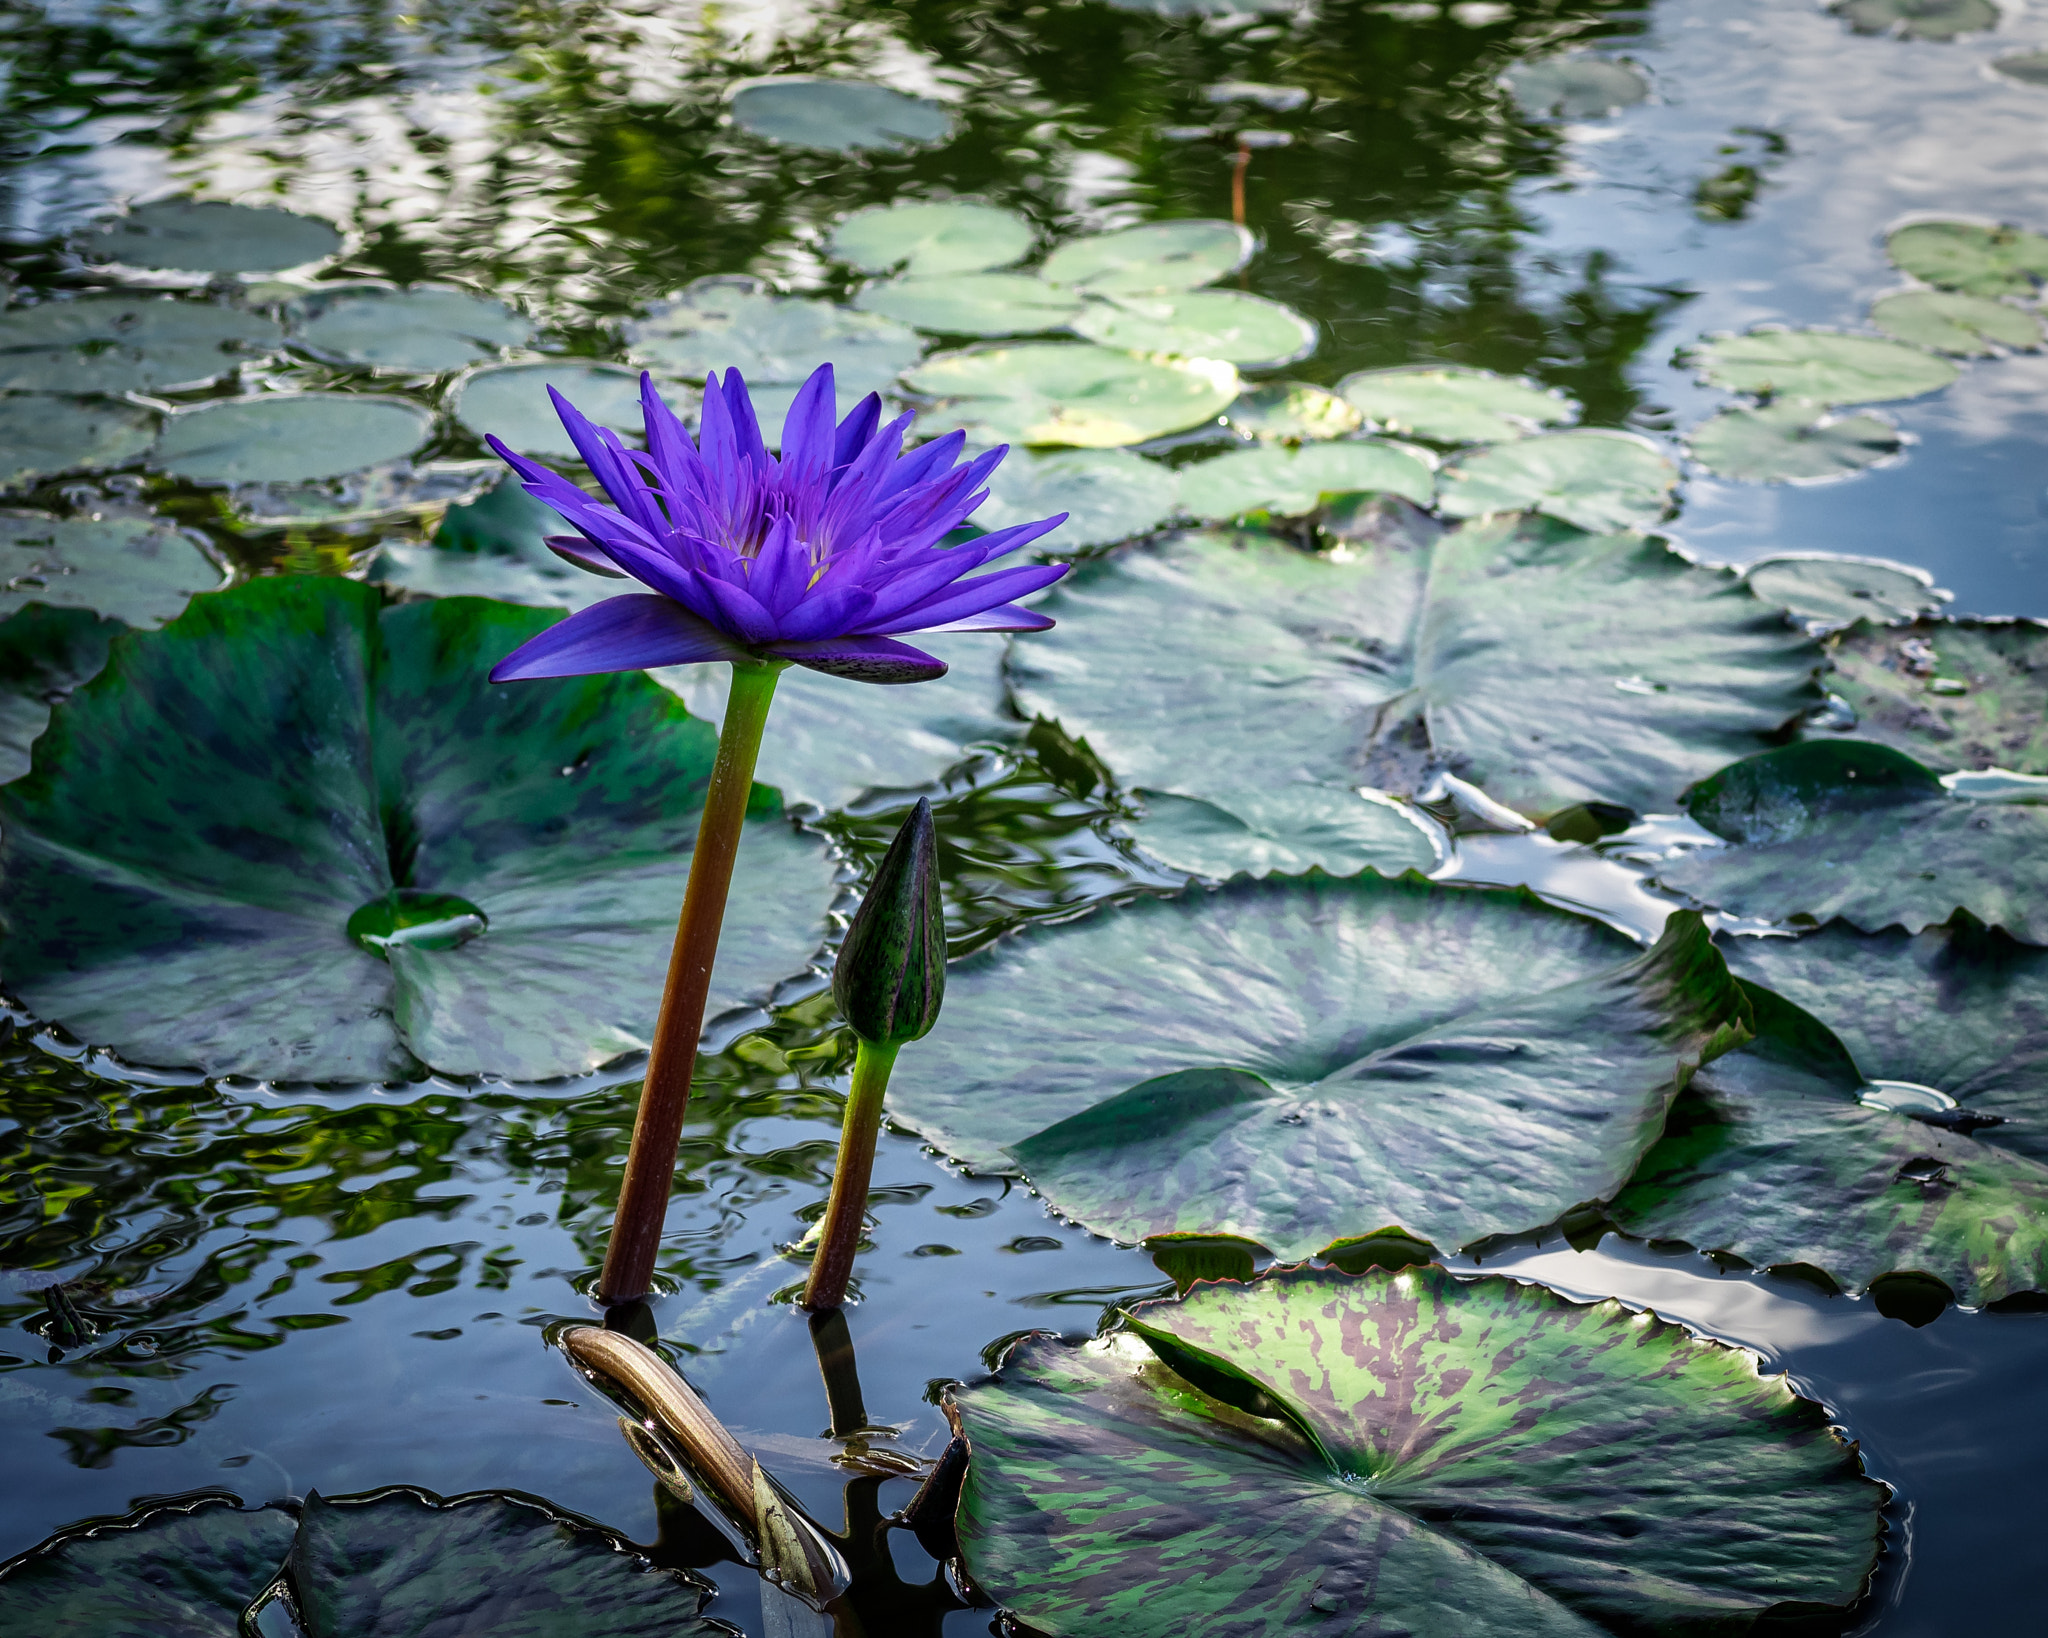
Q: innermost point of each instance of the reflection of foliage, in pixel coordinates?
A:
(1727, 195)
(97, 1447)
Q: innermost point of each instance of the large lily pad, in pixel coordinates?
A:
(1284, 832)
(424, 328)
(44, 654)
(1107, 494)
(1791, 442)
(1970, 257)
(1424, 1455)
(1595, 479)
(926, 240)
(510, 402)
(839, 115)
(1821, 366)
(1550, 667)
(136, 569)
(1852, 829)
(206, 236)
(1577, 87)
(1290, 481)
(1271, 1044)
(1291, 412)
(733, 324)
(1227, 324)
(42, 435)
(1950, 322)
(1969, 694)
(1918, 19)
(1074, 393)
(290, 837)
(1824, 589)
(114, 344)
(1448, 405)
(1159, 256)
(288, 437)
(973, 304)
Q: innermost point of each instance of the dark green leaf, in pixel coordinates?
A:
(44, 654)
(1954, 693)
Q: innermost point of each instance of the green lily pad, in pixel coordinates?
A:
(925, 240)
(1291, 412)
(1972, 258)
(1850, 829)
(1159, 256)
(44, 654)
(423, 328)
(1073, 393)
(2028, 67)
(1549, 667)
(494, 546)
(1290, 1114)
(115, 344)
(1283, 832)
(42, 435)
(209, 814)
(206, 236)
(1597, 480)
(1826, 590)
(1577, 87)
(840, 115)
(1226, 324)
(1791, 442)
(1822, 366)
(1455, 406)
(1969, 694)
(1108, 495)
(973, 304)
(510, 401)
(1422, 1454)
(1290, 481)
(731, 324)
(1918, 19)
(288, 437)
(1949, 322)
(134, 569)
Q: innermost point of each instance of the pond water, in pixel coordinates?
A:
(272, 1286)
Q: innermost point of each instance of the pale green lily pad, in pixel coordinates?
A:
(840, 115)
(510, 402)
(1108, 495)
(1949, 322)
(42, 435)
(1791, 441)
(733, 324)
(1159, 256)
(214, 817)
(1449, 405)
(44, 654)
(1227, 324)
(1577, 87)
(114, 344)
(1822, 366)
(1970, 257)
(1284, 832)
(973, 304)
(923, 240)
(1291, 412)
(138, 570)
(1595, 479)
(1415, 1454)
(1956, 694)
(288, 437)
(205, 236)
(1918, 19)
(2028, 67)
(425, 328)
(1827, 590)
(1073, 393)
(1290, 482)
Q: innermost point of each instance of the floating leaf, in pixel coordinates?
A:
(1107, 494)
(1455, 406)
(240, 842)
(1597, 480)
(929, 239)
(1852, 829)
(114, 344)
(1073, 393)
(1159, 256)
(973, 304)
(1791, 442)
(1918, 19)
(1823, 366)
(423, 328)
(1262, 1077)
(1972, 258)
(2028, 67)
(495, 546)
(379, 492)
(1289, 482)
(731, 324)
(1827, 590)
(510, 402)
(288, 437)
(44, 654)
(1950, 322)
(1953, 693)
(840, 115)
(1416, 1445)
(1284, 832)
(1577, 87)
(205, 236)
(1226, 324)
(42, 435)
(137, 570)
(1290, 411)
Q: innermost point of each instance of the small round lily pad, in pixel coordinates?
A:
(723, 323)
(1290, 481)
(138, 570)
(973, 304)
(926, 240)
(1073, 393)
(1971, 257)
(1160, 256)
(1918, 19)
(424, 328)
(840, 115)
(510, 402)
(288, 437)
(2028, 67)
(1791, 441)
(1577, 87)
(206, 236)
(1821, 366)
(1227, 324)
(1107, 494)
(42, 435)
(114, 344)
(1825, 589)
(1596, 479)
(1948, 321)
(1291, 412)
(1450, 405)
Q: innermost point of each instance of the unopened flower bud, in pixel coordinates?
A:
(891, 974)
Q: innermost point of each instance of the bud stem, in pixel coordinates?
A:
(846, 1214)
(672, 1061)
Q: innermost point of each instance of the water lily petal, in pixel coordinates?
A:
(971, 597)
(585, 554)
(809, 439)
(1004, 617)
(864, 659)
(857, 431)
(620, 634)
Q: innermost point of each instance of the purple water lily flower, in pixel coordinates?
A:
(824, 557)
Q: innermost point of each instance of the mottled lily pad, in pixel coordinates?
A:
(1948, 321)
(288, 437)
(1291, 412)
(44, 654)
(1597, 480)
(1420, 1454)
(1389, 1053)
(973, 304)
(424, 328)
(1970, 257)
(138, 570)
(42, 435)
(840, 115)
(114, 344)
(1918, 19)
(1159, 256)
(925, 240)
(205, 236)
(1969, 694)
(1455, 406)
(1289, 482)
(1791, 442)
(733, 324)
(1073, 393)
(510, 402)
(209, 815)
(1107, 494)
(1577, 87)
(1227, 324)
(1826, 590)
(1821, 366)
(1284, 832)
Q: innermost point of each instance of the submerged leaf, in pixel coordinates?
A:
(1969, 694)
(1073, 393)
(1595, 479)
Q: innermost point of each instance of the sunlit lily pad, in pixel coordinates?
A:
(423, 328)
(44, 654)
(510, 401)
(923, 240)
(1455, 406)
(1918, 19)
(1455, 1062)
(1970, 257)
(1291, 412)
(42, 435)
(1107, 494)
(1416, 1454)
(840, 115)
(1226, 324)
(206, 236)
(1073, 393)
(137, 570)
(1968, 694)
(288, 437)
(1822, 366)
(1853, 829)
(1284, 832)
(1950, 322)
(1791, 441)
(1597, 480)
(1159, 256)
(973, 304)
(1289, 482)
(1827, 590)
(220, 821)
(112, 344)
(1577, 87)
(733, 324)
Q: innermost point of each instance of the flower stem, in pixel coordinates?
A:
(672, 1060)
(847, 1211)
